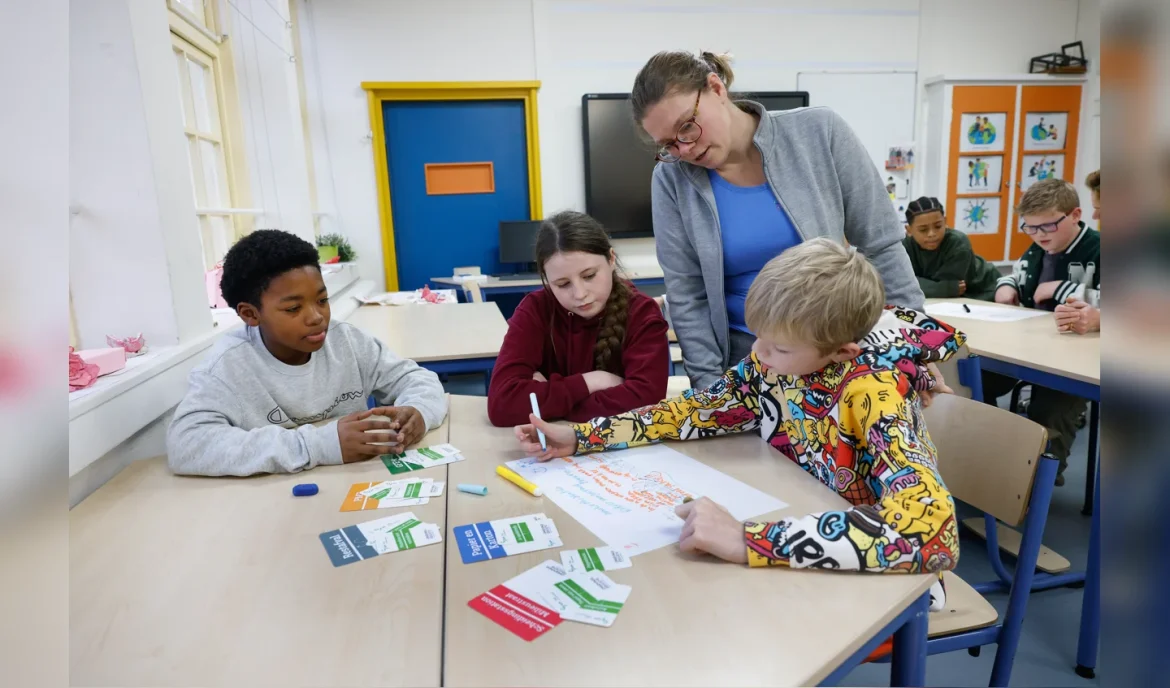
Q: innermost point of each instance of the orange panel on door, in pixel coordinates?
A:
(445, 178)
(982, 130)
(1050, 118)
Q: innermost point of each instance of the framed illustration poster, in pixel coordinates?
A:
(982, 132)
(979, 174)
(1045, 130)
(1036, 168)
(978, 215)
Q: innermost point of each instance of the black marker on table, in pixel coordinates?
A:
(966, 308)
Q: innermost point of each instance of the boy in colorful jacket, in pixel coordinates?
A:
(832, 393)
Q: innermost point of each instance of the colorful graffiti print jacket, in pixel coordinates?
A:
(856, 426)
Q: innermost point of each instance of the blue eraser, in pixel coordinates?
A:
(472, 489)
(305, 490)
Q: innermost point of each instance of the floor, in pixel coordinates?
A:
(1047, 651)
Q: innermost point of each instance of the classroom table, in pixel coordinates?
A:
(224, 582)
(690, 620)
(447, 338)
(1034, 351)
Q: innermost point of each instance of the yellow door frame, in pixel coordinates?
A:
(378, 92)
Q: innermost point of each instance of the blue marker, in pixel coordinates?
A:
(472, 489)
(536, 412)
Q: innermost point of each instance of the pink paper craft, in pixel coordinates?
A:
(107, 360)
(133, 346)
(214, 294)
(81, 374)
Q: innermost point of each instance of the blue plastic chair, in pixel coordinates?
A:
(995, 461)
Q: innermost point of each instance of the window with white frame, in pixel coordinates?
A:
(207, 106)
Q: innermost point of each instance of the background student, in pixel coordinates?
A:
(588, 343)
(942, 258)
(1063, 262)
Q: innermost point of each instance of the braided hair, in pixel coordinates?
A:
(569, 231)
(921, 206)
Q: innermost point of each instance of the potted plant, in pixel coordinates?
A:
(332, 248)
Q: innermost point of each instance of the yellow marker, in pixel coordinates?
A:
(514, 478)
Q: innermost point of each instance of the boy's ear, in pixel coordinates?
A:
(846, 352)
(248, 313)
(1075, 215)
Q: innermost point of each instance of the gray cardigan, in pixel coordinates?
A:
(830, 188)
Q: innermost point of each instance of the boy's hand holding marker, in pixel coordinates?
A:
(408, 420)
(560, 440)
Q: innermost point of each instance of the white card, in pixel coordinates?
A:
(594, 559)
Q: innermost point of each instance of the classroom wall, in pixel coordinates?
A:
(579, 47)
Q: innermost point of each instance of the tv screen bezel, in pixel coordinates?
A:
(585, 98)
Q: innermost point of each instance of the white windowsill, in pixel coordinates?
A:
(119, 405)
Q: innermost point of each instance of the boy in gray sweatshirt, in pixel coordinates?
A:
(253, 402)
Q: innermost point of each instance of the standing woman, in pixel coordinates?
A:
(736, 186)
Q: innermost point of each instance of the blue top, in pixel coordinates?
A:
(754, 229)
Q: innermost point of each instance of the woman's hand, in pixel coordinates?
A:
(538, 377)
(560, 439)
(597, 380)
(710, 528)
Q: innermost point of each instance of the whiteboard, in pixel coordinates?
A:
(879, 106)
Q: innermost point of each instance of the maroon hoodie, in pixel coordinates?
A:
(538, 322)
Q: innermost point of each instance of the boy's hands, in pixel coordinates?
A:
(409, 423)
(1077, 316)
(1007, 294)
(962, 287)
(356, 443)
(560, 439)
(710, 528)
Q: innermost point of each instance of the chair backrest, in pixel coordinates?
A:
(987, 456)
(472, 291)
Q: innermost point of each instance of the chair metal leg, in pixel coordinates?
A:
(1091, 468)
(1013, 619)
(1091, 600)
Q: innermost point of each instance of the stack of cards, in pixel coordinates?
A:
(594, 559)
(391, 493)
(418, 459)
(382, 536)
(505, 537)
(537, 600)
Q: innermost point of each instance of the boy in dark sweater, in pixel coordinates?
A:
(944, 263)
(1062, 266)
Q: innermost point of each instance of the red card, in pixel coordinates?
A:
(517, 613)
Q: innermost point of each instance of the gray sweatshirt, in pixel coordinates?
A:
(823, 178)
(246, 412)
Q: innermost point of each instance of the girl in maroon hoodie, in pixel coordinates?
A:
(588, 343)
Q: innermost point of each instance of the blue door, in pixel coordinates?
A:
(435, 233)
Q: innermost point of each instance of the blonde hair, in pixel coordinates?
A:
(1050, 194)
(818, 292)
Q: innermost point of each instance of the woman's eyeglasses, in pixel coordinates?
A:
(688, 132)
(1045, 228)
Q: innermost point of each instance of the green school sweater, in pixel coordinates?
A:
(939, 271)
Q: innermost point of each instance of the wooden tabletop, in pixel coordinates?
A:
(445, 332)
(224, 582)
(1033, 342)
(692, 621)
